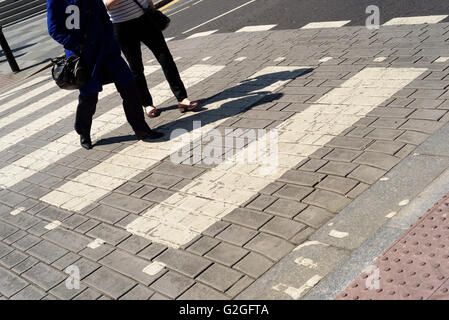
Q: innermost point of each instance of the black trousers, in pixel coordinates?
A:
(87, 105)
(130, 35)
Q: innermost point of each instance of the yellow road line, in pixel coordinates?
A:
(168, 5)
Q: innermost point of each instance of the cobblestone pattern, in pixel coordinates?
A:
(243, 244)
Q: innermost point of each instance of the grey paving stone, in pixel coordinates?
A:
(387, 123)
(74, 221)
(25, 265)
(378, 160)
(237, 235)
(4, 249)
(283, 228)
(328, 200)
(426, 126)
(389, 147)
(220, 277)
(12, 259)
(426, 114)
(44, 276)
(109, 234)
(35, 191)
(6, 230)
(29, 293)
(68, 239)
(314, 216)
(308, 179)
(130, 266)
(201, 292)
(15, 237)
(312, 165)
(47, 251)
(22, 220)
(385, 134)
(367, 174)
(271, 188)
(337, 184)
(139, 292)
(272, 247)
(110, 282)
(358, 190)
(85, 266)
(161, 180)
(143, 191)
(226, 254)
(97, 253)
(11, 199)
(134, 244)
(172, 284)
(107, 214)
(286, 208)
(63, 292)
(10, 284)
(293, 192)
(158, 296)
(302, 236)
(66, 261)
(391, 112)
(261, 202)
(247, 218)
(203, 245)
(349, 143)
(253, 265)
(88, 294)
(152, 251)
(52, 214)
(87, 226)
(183, 262)
(126, 203)
(128, 188)
(158, 195)
(239, 286)
(179, 170)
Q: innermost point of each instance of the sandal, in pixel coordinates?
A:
(153, 113)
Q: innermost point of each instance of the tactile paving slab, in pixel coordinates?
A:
(415, 267)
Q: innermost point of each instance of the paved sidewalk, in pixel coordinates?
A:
(350, 107)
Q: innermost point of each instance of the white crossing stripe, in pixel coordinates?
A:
(51, 118)
(56, 150)
(184, 215)
(326, 24)
(29, 95)
(24, 85)
(257, 28)
(415, 20)
(34, 107)
(201, 34)
(116, 170)
(442, 59)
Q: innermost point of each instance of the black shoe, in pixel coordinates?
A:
(151, 134)
(85, 142)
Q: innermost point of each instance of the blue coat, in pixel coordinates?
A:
(100, 36)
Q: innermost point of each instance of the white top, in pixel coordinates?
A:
(125, 10)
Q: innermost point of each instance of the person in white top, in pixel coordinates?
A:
(131, 28)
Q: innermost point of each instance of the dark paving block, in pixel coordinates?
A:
(88, 294)
(47, 251)
(378, 160)
(226, 254)
(239, 286)
(109, 234)
(130, 266)
(328, 200)
(172, 284)
(308, 179)
(66, 261)
(152, 251)
(158, 195)
(68, 239)
(22, 220)
(183, 262)
(202, 292)
(389, 147)
(312, 165)
(271, 188)
(161, 180)
(302, 236)
(74, 221)
(338, 168)
(219, 277)
(293, 192)
(10, 284)
(216, 228)
(413, 137)
(247, 218)
(286, 208)
(12, 259)
(44, 276)
(349, 143)
(367, 174)
(134, 244)
(110, 282)
(253, 265)
(6, 230)
(126, 203)
(283, 228)
(203, 245)
(337, 184)
(314, 216)
(107, 214)
(139, 292)
(97, 253)
(128, 188)
(29, 293)
(261, 202)
(237, 235)
(11, 199)
(270, 246)
(52, 214)
(139, 193)
(61, 291)
(179, 170)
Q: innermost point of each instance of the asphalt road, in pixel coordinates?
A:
(286, 14)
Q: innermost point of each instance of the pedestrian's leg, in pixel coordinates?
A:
(126, 36)
(85, 111)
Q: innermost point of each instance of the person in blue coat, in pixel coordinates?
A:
(84, 29)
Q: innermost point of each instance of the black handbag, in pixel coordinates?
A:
(72, 73)
(155, 17)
